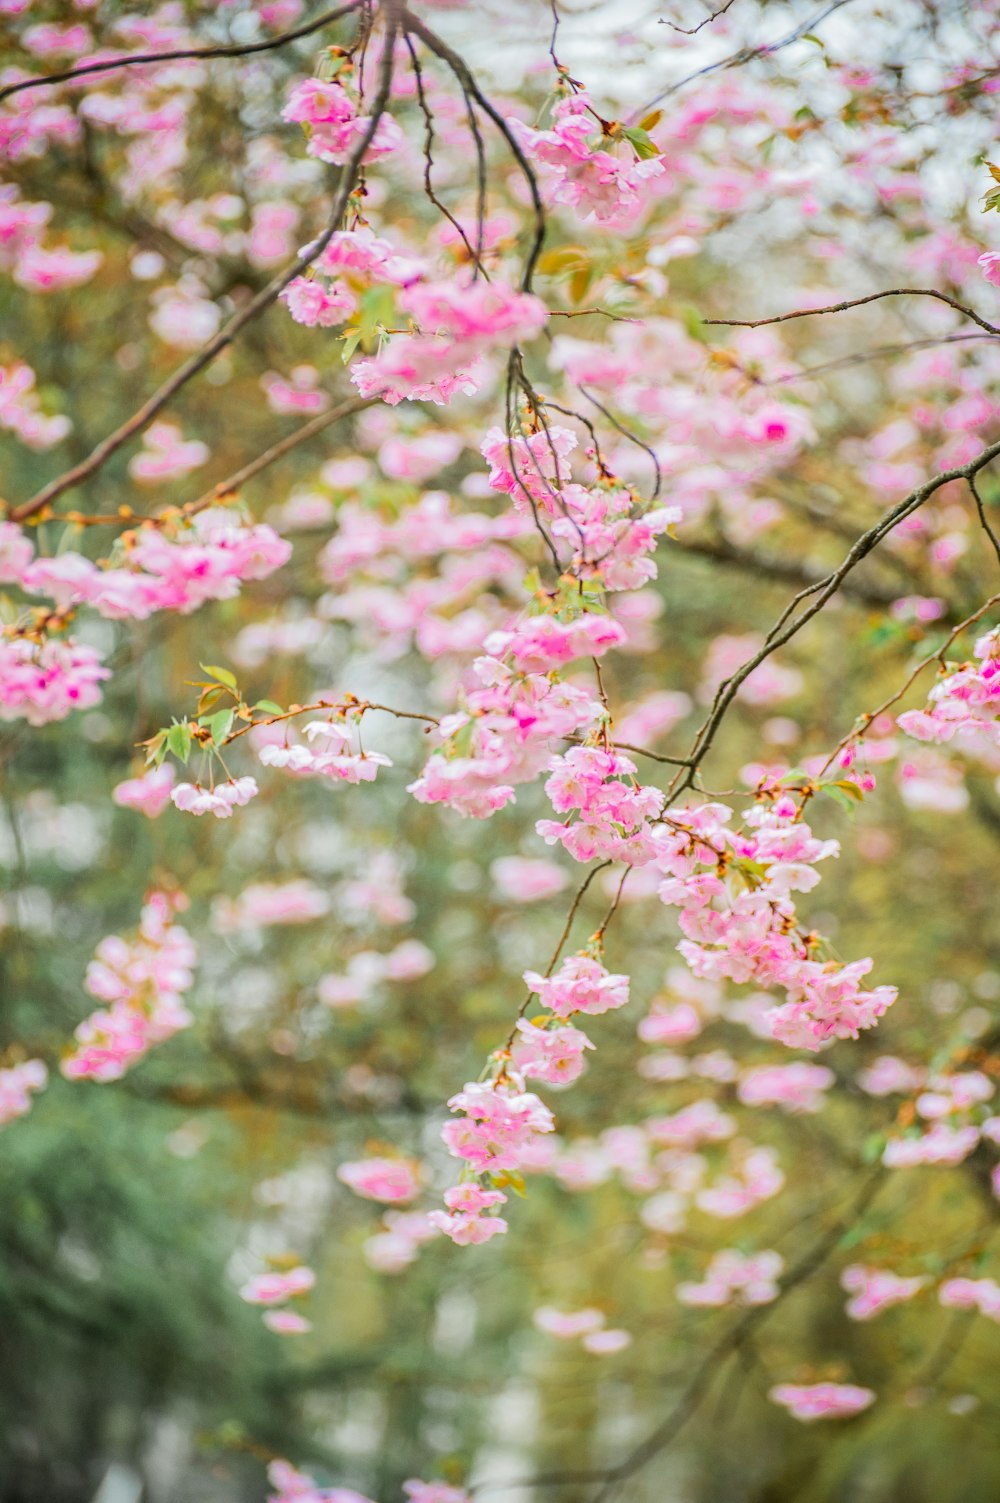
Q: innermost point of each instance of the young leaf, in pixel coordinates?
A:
(179, 740)
(637, 137)
(220, 724)
(269, 707)
(222, 674)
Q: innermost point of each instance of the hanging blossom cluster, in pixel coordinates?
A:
(330, 111)
(734, 892)
(732, 1278)
(432, 335)
(502, 735)
(143, 980)
(46, 678)
(333, 757)
(153, 570)
(501, 1127)
(21, 409)
(953, 1118)
(581, 172)
(964, 704)
(614, 814)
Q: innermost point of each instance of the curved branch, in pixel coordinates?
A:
(226, 335)
(823, 590)
(471, 89)
(178, 54)
(856, 302)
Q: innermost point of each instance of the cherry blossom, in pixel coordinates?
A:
(813, 1401)
(392, 1181)
(144, 980)
(16, 1085)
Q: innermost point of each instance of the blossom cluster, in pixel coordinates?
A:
(615, 813)
(433, 334)
(206, 559)
(581, 172)
(273, 1290)
(46, 680)
(733, 1278)
(16, 1085)
(143, 979)
(333, 759)
(964, 704)
(733, 890)
(501, 737)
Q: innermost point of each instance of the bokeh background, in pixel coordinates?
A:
(131, 1213)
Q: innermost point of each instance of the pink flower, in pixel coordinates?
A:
(150, 793)
(312, 302)
(580, 985)
(166, 454)
(16, 553)
(434, 1492)
(499, 1125)
(813, 1401)
(569, 1325)
(16, 1085)
(605, 1343)
(21, 410)
(581, 173)
(468, 1231)
(143, 979)
(731, 1277)
(989, 265)
(873, 1290)
(335, 127)
(46, 682)
(53, 270)
(275, 1288)
(972, 1294)
(286, 1322)
(795, 1088)
(298, 1487)
(526, 881)
(220, 801)
(389, 1180)
(262, 903)
(943, 1144)
(552, 1054)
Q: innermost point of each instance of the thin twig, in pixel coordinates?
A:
(178, 54)
(692, 31)
(268, 295)
(856, 302)
(823, 591)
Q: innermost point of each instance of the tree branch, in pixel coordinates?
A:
(109, 65)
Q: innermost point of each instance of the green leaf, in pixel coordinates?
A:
(637, 137)
(179, 740)
(222, 674)
(839, 796)
(269, 707)
(351, 342)
(851, 789)
(872, 1148)
(377, 310)
(220, 724)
